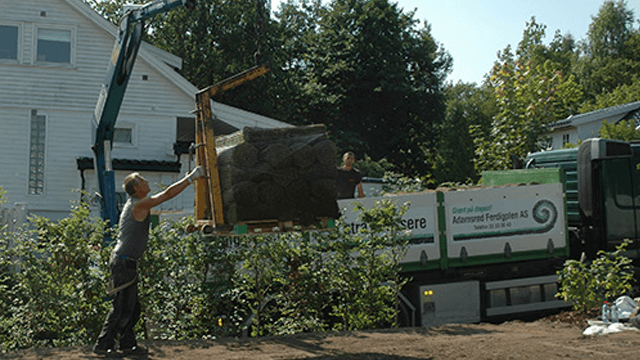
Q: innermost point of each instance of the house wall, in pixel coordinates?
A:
(557, 137)
(66, 94)
(584, 126)
(590, 130)
(578, 132)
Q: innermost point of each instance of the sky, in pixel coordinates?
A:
(473, 31)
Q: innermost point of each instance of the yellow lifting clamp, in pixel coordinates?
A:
(209, 215)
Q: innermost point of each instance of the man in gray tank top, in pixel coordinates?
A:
(133, 234)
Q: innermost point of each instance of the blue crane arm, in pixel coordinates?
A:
(125, 51)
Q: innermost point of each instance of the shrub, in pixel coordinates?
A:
(284, 284)
(55, 295)
(367, 266)
(589, 285)
(194, 286)
(398, 183)
(183, 279)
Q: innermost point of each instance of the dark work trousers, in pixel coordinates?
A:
(125, 309)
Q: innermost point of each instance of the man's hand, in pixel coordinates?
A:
(195, 174)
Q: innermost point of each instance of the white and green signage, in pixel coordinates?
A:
(476, 226)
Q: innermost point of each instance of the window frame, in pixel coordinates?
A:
(18, 58)
(72, 44)
(134, 138)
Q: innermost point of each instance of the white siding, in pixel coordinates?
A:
(14, 148)
(577, 132)
(53, 86)
(590, 130)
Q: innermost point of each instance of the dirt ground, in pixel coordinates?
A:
(557, 337)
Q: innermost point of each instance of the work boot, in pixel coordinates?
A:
(135, 351)
(110, 353)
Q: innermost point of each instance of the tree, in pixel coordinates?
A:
(298, 100)
(111, 10)
(623, 84)
(564, 51)
(623, 94)
(623, 130)
(467, 106)
(610, 30)
(219, 39)
(529, 95)
(608, 63)
(375, 80)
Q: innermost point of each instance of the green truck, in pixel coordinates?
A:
(492, 252)
(479, 254)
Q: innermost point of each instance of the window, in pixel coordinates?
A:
(54, 45)
(565, 139)
(124, 134)
(36, 153)
(635, 117)
(8, 42)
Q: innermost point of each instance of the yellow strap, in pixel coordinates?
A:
(121, 287)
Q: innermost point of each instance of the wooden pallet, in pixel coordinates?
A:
(258, 227)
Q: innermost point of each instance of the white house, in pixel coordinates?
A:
(53, 60)
(587, 125)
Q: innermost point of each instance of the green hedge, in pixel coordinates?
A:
(52, 282)
(53, 278)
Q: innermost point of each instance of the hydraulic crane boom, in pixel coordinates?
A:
(125, 51)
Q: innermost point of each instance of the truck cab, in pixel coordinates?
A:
(602, 189)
